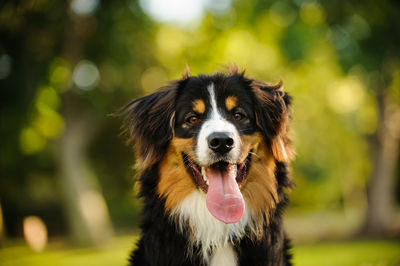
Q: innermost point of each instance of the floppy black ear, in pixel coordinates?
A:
(149, 124)
(272, 113)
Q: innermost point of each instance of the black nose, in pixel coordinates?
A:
(220, 142)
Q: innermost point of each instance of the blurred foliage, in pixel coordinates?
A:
(328, 53)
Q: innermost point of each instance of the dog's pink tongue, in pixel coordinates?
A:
(224, 200)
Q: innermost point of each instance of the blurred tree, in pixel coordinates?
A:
(79, 60)
(308, 41)
(46, 27)
(368, 34)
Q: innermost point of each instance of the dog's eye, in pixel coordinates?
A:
(238, 116)
(192, 119)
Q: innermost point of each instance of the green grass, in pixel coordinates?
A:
(115, 253)
(362, 253)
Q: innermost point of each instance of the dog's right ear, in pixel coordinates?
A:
(149, 122)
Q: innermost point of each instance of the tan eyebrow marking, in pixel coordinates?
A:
(231, 102)
(199, 106)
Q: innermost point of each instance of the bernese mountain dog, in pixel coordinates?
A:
(212, 154)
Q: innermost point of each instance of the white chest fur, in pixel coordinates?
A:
(224, 256)
(212, 234)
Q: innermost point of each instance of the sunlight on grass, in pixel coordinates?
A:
(115, 253)
(363, 253)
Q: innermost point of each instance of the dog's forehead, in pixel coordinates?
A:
(228, 92)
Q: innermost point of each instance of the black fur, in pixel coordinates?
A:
(148, 122)
(162, 244)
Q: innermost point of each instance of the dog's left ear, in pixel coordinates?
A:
(272, 114)
(149, 124)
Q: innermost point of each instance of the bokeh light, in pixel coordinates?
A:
(183, 12)
(84, 7)
(35, 233)
(60, 74)
(282, 13)
(93, 206)
(31, 141)
(340, 37)
(48, 122)
(312, 13)
(49, 97)
(86, 75)
(346, 96)
(358, 27)
(174, 10)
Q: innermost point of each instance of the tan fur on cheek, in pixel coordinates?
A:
(183, 145)
(260, 188)
(175, 183)
(249, 142)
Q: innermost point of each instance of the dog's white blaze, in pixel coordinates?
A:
(213, 100)
(211, 233)
(224, 256)
(216, 123)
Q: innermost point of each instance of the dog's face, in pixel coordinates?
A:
(216, 113)
(215, 132)
(218, 134)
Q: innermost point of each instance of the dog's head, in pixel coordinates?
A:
(220, 134)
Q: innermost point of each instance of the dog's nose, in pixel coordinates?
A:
(220, 142)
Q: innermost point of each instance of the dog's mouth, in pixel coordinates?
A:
(221, 182)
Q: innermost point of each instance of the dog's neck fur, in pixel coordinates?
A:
(214, 237)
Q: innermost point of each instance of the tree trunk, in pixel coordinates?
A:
(381, 185)
(85, 206)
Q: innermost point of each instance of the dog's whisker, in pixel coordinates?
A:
(255, 154)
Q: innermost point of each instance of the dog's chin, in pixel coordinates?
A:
(198, 173)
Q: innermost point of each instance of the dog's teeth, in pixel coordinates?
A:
(203, 174)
